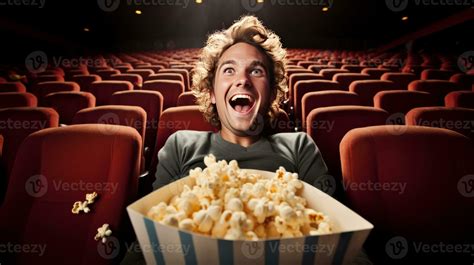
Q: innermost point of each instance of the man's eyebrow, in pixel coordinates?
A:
(258, 63)
(227, 62)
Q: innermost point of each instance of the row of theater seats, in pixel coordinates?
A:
(36, 211)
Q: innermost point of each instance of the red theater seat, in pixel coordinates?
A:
(166, 76)
(402, 101)
(18, 123)
(131, 116)
(37, 207)
(294, 78)
(438, 88)
(460, 120)
(15, 99)
(136, 80)
(85, 81)
(318, 67)
(40, 90)
(328, 74)
(47, 78)
(12, 87)
(460, 99)
(345, 79)
(367, 89)
(330, 98)
(144, 73)
(183, 72)
(67, 104)
(416, 166)
(152, 103)
(169, 89)
(105, 74)
(464, 80)
(103, 90)
(353, 68)
(186, 99)
(375, 73)
(401, 80)
(303, 87)
(328, 125)
(436, 74)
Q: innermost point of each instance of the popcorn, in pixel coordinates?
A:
(234, 204)
(102, 233)
(79, 206)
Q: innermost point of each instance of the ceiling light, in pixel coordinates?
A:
(138, 12)
(404, 18)
(86, 29)
(325, 9)
(260, 1)
(198, 1)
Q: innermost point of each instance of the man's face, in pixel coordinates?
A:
(241, 88)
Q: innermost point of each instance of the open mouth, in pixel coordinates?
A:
(242, 103)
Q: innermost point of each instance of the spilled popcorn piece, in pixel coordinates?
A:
(90, 197)
(102, 233)
(78, 206)
(234, 204)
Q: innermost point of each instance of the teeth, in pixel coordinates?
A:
(235, 97)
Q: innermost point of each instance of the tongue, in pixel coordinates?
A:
(242, 109)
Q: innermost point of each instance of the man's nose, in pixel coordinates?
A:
(243, 80)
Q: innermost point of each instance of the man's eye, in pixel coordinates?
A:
(228, 70)
(257, 71)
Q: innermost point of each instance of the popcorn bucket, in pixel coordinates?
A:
(162, 244)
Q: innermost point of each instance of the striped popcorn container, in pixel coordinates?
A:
(163, 244)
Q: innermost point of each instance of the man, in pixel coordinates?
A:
(239, 83)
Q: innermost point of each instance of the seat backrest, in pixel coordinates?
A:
(18, 124)
(67, 104)
(402, 101)
(303, 87)
(166, 76)
(401, 80)
(135, 79)
(54, 169)
(183, 72)
(46, 78)
(131, 116)
(40, 90)
(316, 68)
(328, 74)
(16, 99)
(294, 78)
(438, 88)
(85, 81)
(375, 73)
(460, 120)
(169, 89)
(464, 80)
(12, 87)
(436, 74)
(186, 99)
(416, 164)
(345, 79)
(330, 98)
(144, 73)
(458, 99)
(152, 103)
(367, 89)
(353, 68)
(328, 125)
(103, 90)
(105, 74)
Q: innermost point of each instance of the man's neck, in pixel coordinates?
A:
(244, 141)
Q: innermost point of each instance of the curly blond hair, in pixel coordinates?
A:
(250, 30)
